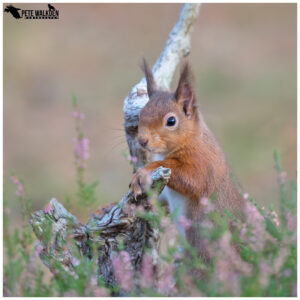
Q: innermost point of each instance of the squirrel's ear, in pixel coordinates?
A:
(184, 94)
(151, 85)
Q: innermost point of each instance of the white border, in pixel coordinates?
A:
(93, 1)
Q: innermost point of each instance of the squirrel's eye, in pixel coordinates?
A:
(171, 121)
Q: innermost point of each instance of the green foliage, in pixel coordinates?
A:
(86, 193)
(256, 256)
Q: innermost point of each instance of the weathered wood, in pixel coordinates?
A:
(54, 226)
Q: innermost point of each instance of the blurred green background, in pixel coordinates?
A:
(244, 60)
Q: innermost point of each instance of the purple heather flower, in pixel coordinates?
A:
(123, 270)
(178, 255)
(291, 221)
(205, 201)
(38, 249)
(48, 208)
(184, 222)
(282, 177)
(132, 158)
(287, 273)
(256, 221)
(78, 115)
(100, 292)
(130, 209)
(274, 216)
(75, 114)
(147, 271)
(280, 259)
(166, 282)
(294, 290)
(140, 209)
(20, 189)
(246, 196)
(265, 271)
(243, 231)
(208, 206)
(93, 289)
(228, 264)
(81, 150)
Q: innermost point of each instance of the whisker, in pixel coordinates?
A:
(117, 130)
(113, 147)
(118, 136)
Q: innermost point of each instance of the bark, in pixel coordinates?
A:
(55, 226)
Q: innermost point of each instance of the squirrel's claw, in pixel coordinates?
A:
(136, 185)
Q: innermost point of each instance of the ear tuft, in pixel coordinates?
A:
(184, 94)
(151, 85)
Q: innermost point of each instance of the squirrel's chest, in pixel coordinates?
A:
(176, 201)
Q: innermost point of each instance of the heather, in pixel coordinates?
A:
(265, 263)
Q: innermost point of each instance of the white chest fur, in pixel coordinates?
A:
(176, 201)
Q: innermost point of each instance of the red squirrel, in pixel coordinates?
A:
(172, 128)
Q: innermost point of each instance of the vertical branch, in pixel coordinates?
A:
(177, 47)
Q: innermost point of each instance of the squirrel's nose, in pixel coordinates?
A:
(143, 141)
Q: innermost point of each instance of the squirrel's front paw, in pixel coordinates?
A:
(141, 180)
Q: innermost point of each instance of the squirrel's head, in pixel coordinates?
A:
(169, 119)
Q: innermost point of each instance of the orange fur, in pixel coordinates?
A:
(196, 160)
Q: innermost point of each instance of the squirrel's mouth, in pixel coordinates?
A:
(154, 150)
(147, 148)
(158, 151)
